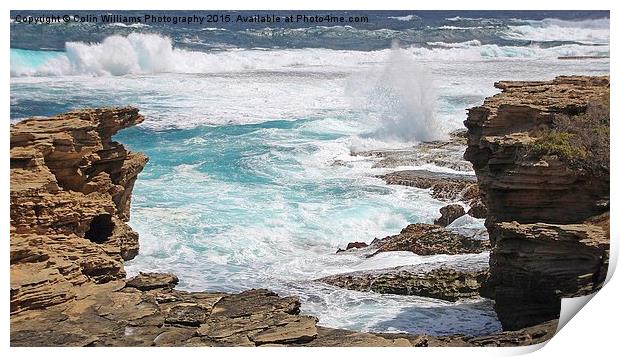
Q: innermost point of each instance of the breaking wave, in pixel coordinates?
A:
(595, 31)
(148, 53)
(405, 18)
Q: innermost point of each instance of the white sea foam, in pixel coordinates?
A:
(136, 25)
(594, 31)
(405, 18)
(471, 43)
(148, 54)
(401, 98)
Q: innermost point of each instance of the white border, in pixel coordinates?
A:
(592, 331)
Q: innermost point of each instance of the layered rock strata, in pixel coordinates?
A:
(70, 194)
(546, 243)
(148, 311)
(70, 190)
(441, 283)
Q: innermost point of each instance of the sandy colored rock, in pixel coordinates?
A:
(70, 194)
(70, 189)
(150, 281)
(516, 187)
(545, 244)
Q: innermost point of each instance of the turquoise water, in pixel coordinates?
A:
(234, 207)
(250, 197)
(32, 58)
(27, 61)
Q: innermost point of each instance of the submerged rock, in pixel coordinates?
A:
(440, 283)
(443, 186)
(443, 153)
(353, 245)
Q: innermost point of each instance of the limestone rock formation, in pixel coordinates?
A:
(70, 193)
(545, 244)
(70, 190)
(441, 283)
(428, 239)
(525, 189)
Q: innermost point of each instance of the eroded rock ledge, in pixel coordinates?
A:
(440, 283)
(70, 191)
(546, 245)
(429, 239)
(444, 187)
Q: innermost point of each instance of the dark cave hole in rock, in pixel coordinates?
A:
(101, 228)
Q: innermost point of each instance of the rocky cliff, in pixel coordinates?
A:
(70, 190)
(547, 204)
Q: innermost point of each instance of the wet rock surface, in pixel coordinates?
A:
(440, 283)
(428, 239)
(444, 153)
(443, 186)
(449, 214)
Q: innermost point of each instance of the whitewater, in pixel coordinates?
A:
(253, 179)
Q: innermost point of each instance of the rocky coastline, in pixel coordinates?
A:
(71, 188)
(546, 191)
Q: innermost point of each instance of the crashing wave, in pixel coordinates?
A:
(594, 31)
(149, 53)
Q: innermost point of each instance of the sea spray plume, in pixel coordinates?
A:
(400, 98)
